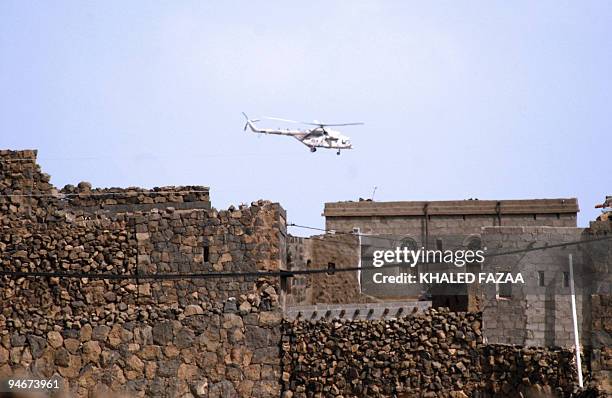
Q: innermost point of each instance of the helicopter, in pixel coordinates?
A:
(319, 137)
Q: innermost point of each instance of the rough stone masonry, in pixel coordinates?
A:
(430, 354)
(144, 337)
(129, 332)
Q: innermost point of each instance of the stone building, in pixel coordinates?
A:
(137, 326)
(330, 251)
(425, 221)
(539, 312)
(132, 295)
(444, 225)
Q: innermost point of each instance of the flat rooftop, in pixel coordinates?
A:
(368, 208)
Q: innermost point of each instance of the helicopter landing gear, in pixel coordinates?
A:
(338, 153)
(313, 149)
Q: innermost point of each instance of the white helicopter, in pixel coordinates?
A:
(318, 137)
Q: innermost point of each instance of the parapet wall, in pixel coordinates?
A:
(25, 191)
(427, 354)
(133, 199)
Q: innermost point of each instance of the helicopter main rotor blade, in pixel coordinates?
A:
(315, 123)
(283, 120)
(335, 124)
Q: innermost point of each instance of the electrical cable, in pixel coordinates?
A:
(333, 231)
(281, 273)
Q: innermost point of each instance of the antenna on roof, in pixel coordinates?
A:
(373, 193)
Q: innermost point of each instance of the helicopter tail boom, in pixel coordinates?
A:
(250, 123)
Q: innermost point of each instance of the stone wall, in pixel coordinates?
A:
(430, 354)
(25, 191)
(600, 351)
(327, 251)
(538, 312)
(143, 330)
(598, 257)
(88, 200)
(147, 336)
(134, 330)
(299, 257)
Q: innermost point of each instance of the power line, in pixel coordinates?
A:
(280, 273)
(333, 231)
(530, 249)
(208, 275)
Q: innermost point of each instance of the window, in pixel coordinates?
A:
(331, 267)
(473, 243)
(409, 243)
(285, 287)
(504, 290)
(566, 279)
(206, 254)
(541, 282)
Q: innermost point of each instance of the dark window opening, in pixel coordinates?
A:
(439, 244)
(535, 216)
(504, 290)
(566, 279)
(331, 267)
(475, 243)
(206, 254)
(541, 279)
(558, 216)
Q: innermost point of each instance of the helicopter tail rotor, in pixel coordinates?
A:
(248, 121)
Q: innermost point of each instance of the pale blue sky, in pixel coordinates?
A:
(486, 99)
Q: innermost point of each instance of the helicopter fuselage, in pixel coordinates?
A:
(318, 137)
(324, 138)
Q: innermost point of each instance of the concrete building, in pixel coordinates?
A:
(424, 220)
(536, 313)
(443, 225)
